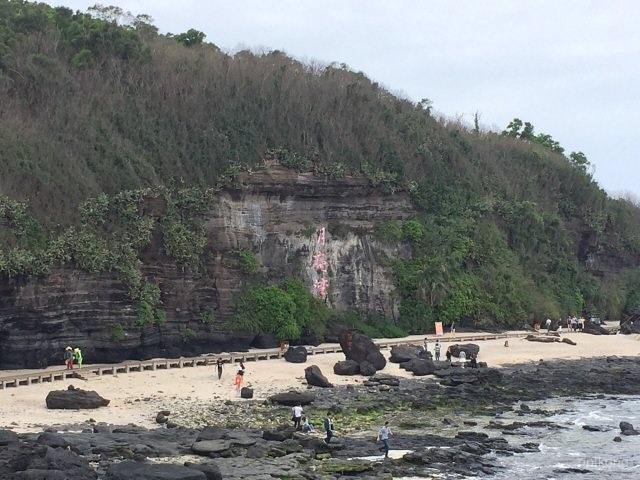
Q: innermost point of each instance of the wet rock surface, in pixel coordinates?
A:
(256, 440)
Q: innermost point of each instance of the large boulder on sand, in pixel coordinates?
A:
(74, 399)
(315, 377)
(296, 355)
(346, 367)
(293, 398)
(468, 348)
(594, 329)
(357, 346)
(403, 353)
(419, 366)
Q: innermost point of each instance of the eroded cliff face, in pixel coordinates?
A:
(274, 213)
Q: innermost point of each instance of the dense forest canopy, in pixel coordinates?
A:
(96, 106)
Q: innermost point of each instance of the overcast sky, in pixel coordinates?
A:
(570, 67)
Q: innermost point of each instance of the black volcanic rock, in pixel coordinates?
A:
(296, 355)
(346, 367)
(74, 399)
(358, 347)
(314, 377)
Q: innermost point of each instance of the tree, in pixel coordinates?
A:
(579, 160)
(191, 37)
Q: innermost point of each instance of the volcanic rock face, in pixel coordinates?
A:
(274, 213)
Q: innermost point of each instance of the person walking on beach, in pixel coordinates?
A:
(383, 435)
(77, 356)
(219, 363)
(425, 345)
(68, 358)
(453, 329)
(548, 325)
(238, 381)
(297, 416)
(328, 427)
(436, 349)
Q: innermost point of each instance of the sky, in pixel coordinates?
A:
(570, 67)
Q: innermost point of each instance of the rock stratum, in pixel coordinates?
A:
(274, 213)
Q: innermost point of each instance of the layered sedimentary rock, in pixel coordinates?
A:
(274, 213)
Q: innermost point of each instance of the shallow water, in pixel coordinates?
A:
(576, 448)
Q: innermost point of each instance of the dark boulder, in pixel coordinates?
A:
(265, 340)
(419, 366)
(594, 329)
(210, 447)
(403, 353)
(346, 367)
(315, 377)
(211, 470)
(296, 355)
(246, 392)
(129, 470)
(291, 399)
(367, 369)
(627, 429)
(357, 346)
(53, 440)
(7, 437)
(468, 348)
(630, 327)
(74, 399)
(536, 338)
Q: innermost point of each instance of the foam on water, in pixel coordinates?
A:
(573, 452)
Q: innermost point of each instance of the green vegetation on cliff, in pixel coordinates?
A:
(101, 114)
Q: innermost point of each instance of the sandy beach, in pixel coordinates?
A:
(137, 397)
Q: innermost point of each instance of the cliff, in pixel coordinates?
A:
(274, 213)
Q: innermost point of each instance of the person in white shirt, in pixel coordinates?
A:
(297, 416)
(383, 435)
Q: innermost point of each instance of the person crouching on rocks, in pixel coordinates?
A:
(68, 358)
(473, 363)
(462, 357)
(306, 426)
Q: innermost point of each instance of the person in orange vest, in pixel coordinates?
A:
(238, 381)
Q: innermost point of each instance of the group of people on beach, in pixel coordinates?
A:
(71, 356)
(462, 357)
(239, 377)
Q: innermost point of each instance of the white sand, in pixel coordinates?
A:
(138, 396)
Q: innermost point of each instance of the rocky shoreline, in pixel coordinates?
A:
(457, 413)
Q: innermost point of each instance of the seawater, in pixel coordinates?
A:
(573, 447)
